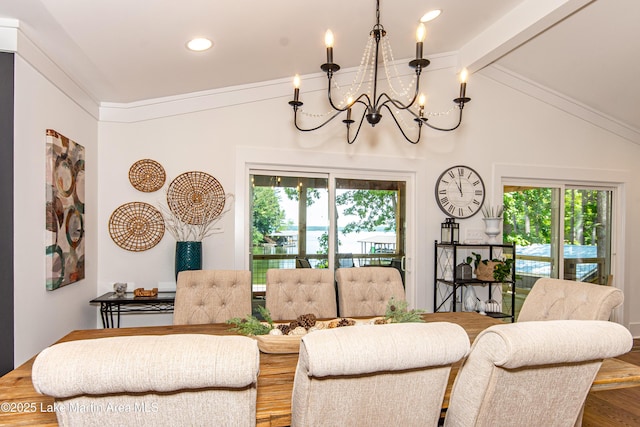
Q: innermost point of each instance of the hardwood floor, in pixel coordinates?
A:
(616, 407)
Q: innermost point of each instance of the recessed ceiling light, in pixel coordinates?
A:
(431, 15)
(199, 44)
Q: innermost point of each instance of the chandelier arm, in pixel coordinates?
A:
(402, 130)
(330, 76)
(351, 141)
(359, 100)
(295, 121)
(447, 129)
(417, 91)
(399, 105)
(377, 50)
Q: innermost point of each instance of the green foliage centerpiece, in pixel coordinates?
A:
(397, 312)
(251, 325)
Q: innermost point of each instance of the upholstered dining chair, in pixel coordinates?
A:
(211, 296)
(375, 375)
(535, 373)
(557, 299)
(302, 262)
(166, 380)
(293, 292)
(365, 291)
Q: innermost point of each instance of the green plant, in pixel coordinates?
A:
(502, 269)
(475, 259)
(251, 325)
(397, 312)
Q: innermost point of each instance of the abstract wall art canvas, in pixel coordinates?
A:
(65, 248)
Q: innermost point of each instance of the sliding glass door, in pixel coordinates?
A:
(301, 219)
(370, 223)
(561, 231)
(289, 221)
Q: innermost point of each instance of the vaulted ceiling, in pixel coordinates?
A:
(122, 51)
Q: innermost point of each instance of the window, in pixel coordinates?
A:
(370, 224)
(329, 221)
(561, 231)
(289, 220)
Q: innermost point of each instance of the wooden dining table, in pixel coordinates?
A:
(23, 406)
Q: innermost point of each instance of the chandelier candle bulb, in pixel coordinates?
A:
(328, 41)
(421, 33)
(374, 100)
(421, 102)
(463, 82)
(296, 87)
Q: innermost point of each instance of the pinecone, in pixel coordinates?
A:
(285, 329)
(294, 324)
(307, 320)
(346, 322)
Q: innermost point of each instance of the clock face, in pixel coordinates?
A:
(460, 192)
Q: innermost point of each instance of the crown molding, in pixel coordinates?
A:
(13, 39)
(236, 95)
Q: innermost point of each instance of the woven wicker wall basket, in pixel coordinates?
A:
(195, 197)
(147, 175)
(136, 226)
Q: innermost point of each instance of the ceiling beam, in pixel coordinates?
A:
(523, 23)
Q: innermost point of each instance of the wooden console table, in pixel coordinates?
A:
(110, 304)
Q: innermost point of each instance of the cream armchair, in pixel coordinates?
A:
(557, 299)
(292, 292)
(171, 380)
(365, 291)
(375, 375)
(211, 296)
(534, 373)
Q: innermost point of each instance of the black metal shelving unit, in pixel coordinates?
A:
(448, 289)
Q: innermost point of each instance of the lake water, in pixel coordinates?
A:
(351, 243)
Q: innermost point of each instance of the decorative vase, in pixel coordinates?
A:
(188, 256)
(492, 228)
(470, 299)
(481, 306)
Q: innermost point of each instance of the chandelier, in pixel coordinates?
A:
(373, 102)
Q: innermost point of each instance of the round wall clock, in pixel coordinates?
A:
(460, 192)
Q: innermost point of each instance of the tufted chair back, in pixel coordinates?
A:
(557, 299)
(211, 296)
(145, 380)
(375, 375)
(365, 291)
(543, 369)
(292, 292)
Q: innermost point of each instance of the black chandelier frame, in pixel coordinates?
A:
(375, 103)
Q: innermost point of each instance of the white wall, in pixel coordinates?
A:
(41, 316)
(502, 126)
(504, 129)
